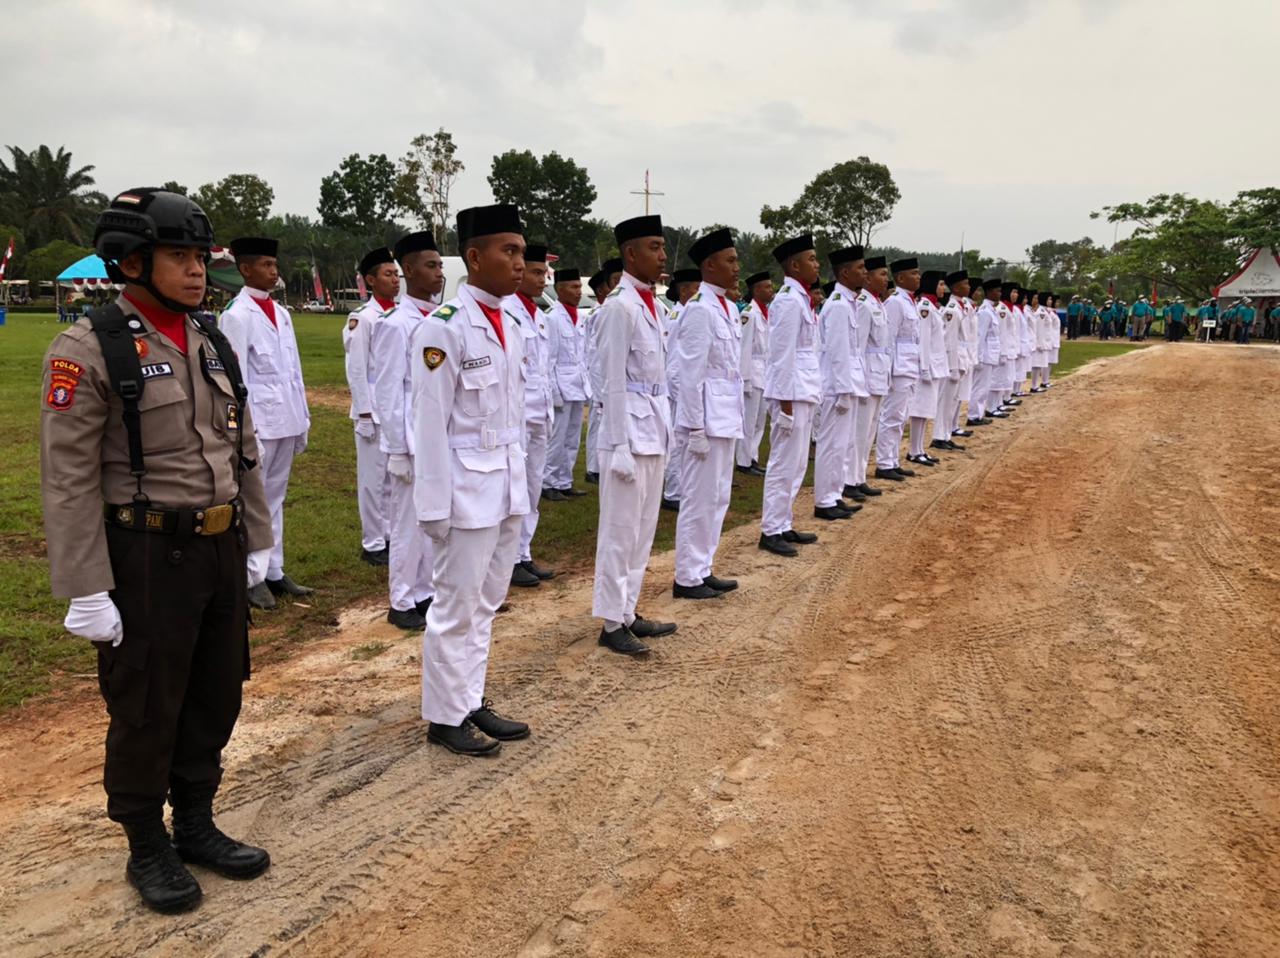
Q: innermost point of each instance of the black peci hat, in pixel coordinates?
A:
(791, 247)
(488, 220)
(758, 278)
(713, 242)
(375, 258)
(637, 227)
(685, 276)
(535, 253)
(902, 265)
(254, 246)
(959, 276)
(850, 254)
(567, 274)
(413, 243)
(994, 282)
(874, 263)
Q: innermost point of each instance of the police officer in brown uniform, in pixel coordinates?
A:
(150, 503)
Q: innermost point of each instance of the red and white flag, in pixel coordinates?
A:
(315, 281)
(364, 292)
(8, 255)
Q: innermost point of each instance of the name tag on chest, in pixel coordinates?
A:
(157, 369)
(214, 365)
(477, 363)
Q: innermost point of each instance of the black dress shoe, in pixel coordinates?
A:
(156, 871)
(800, 538)
(409, 619)
(720, 585)
(286, 586)
(199, 841)
(850, 508)
(422, 607)
(698, 591)
(260, 597)
(554, 495)
(900, 470)
(953, 445)
(755, 470)
(523, 578)
(830, 513)
(646, 629)
(869, 491)
(495, 725)
(464, 739)
(921, 460)
(778, 546)
(1013, 402)
(622, 641)
(962, 433)
(532, 567)
(593, 478)
(671, 505)
(946, 444)
(893, 475)
(997, 414)
(572, 493)
(745, 470)
(853, 492)
(974, 422)
(380, 557)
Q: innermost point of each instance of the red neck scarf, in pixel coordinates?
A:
(172, 326)
(764, 309)
(385, 304)
(932, 299)
(529, 305)
(494, 315)
(572, 311)
(268, 308)
(647, 296)
(1006, 304)
(723, 305)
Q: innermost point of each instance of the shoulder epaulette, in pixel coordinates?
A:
(834, 297)
(617, 290)
(785, 289)
(444, 312)
(696, 297)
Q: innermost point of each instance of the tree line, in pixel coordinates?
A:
(1180, 245)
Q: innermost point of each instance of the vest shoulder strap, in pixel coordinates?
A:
(125, 372)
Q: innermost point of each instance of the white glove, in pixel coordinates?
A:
(437, 529)
(400, 466)
(843, 404)
(622, 465)
(698, 444)
(96, 618)
(785, 423)
(366, 428)
(300, 444)
(557, 401)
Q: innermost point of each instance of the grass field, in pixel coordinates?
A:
(322, 535)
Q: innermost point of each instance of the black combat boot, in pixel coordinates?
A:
(200, 842)
(155, 869)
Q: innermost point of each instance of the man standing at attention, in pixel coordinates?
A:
(755, 347)
(904, 333)
(569, 389)
(261, 332)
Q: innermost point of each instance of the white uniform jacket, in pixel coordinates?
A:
(791, 370)
(952, 318)
(389, 347)
(468, 415)
(841, 360)
(271, 366)
(707, 355)
(631, 360)
(968, 335)
(670, 329)
(904, 328)
(1027, 332)
(933, 340)
(755, 346)
(356, 336)
(1010, 332)
(568, 355)
(538, 405)
(879, 345)
(990, 337)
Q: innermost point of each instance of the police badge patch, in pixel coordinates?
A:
(433, 356)
(352, 323)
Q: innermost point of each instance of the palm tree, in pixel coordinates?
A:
(47, 198)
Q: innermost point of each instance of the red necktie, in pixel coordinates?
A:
(268, 307)
(573, 313)
(764, 309)
(494, 315)
(529, 305)
(647, 296)
(723, 305)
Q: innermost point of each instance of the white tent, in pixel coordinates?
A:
(1258, 278)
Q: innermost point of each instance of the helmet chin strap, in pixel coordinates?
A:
(145, 282)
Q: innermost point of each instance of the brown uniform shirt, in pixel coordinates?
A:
(189, 432)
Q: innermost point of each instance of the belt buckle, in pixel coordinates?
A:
(217, 520)
(654, 387)
(489, 437)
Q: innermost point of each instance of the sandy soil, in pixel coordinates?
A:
(1025, 705)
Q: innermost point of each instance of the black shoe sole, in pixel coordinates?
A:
(234, 874)
(469, 753)
(634, 654)
(508, 738)
(527, 585)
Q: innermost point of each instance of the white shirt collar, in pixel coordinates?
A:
(848, 293)
(635, 283)
(793, 282)
(480, 296)
(258, 293)
(425, 305)
(718, 290)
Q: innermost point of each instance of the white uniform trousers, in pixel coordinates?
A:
(1000, 376)
(275, 460)
(409, 562)
(867, 418)
(675, 461)
(536, 437)
(373, 492)
(628, 519)
(835, 437)
(980, 394)
(473, 567)
(705, 484)
(964, 389)
(562, 451)
(754, 409)
(593, 438)
(945, 417)
(788, 460)
(893, 415)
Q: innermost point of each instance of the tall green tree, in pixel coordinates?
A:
(362, 195)
(46, 262)
(47, 197)
(427, 173)
(237, 205)
(1064, 264)
(554, 195)
(841, 206)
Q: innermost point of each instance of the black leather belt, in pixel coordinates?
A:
(209, 521)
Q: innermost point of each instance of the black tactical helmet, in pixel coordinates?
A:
(148, 217)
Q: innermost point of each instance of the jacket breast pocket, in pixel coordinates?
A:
(262, 362)
(479, 393)
(166, 418)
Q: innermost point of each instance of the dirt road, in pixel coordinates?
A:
(1026, 705)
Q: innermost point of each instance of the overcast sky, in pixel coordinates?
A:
(730, 105)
